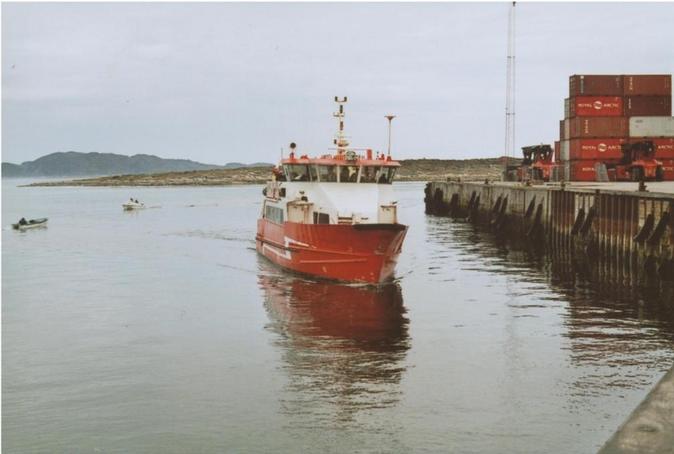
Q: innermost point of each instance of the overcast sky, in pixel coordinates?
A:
(236, 82)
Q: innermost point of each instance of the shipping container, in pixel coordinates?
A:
(601, 149)
(557, 148)
(664, 146)
(561, 130)
(566, 108)
(594, 106)
(564, 150)
(597, 127)
(581, 170)
(650, 84)
(647, 106)
(651, 127)
(567, 129)
(601, 85)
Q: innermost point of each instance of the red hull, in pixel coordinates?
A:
(353, 253)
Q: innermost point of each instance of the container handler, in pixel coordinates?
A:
(537, 163)
(638, 163)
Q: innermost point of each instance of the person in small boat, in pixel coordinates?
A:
(23, 221)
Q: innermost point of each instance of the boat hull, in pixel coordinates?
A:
(133, 206)
(32, 224)
(354, 253)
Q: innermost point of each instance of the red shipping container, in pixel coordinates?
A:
(582, 170)
(597, 127)
(600, 149)
(649, 84)
(601, 85)
(648, 106)
(595, 106)
(664, 146)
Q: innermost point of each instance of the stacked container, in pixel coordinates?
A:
(603, 112)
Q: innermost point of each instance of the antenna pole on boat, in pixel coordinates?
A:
(390, 119)
(340, 138)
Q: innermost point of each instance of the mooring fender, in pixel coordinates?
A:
(587, 223)
(474, 208)
(645, 229)
(504, 205)
(472, 200)
(579, 222)
(497, 205)
(427, 194)
(654, 238)
(536, 224)
(453, 204)
(530, 208)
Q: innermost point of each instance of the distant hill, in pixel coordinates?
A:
(73, 163)
(410, 170)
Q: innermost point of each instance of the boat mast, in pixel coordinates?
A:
(340, 139)
(510, 91)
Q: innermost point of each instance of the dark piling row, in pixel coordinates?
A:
(630, 233)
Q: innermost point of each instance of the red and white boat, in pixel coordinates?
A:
(334, 216)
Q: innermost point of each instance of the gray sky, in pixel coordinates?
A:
(219, 82)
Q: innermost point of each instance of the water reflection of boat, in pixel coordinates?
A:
(344, 346)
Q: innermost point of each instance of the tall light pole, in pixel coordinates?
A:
(390, 119)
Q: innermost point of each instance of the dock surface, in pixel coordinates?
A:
(650, 428)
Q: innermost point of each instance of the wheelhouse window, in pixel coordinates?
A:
(296, 172)
(274, 214)
(386, 175)
(348, 174)
(321, 218)
(313, 173)
(327, 173)
(368, 174)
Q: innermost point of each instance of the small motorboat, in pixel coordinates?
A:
(133, 204)
(23, 224)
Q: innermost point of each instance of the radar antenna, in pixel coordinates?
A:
(340, 139)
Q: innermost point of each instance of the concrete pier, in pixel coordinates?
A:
(650, 428)
(629, 231)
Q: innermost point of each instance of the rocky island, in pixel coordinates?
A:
(411, 170)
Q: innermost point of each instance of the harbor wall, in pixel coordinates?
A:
(629, 233)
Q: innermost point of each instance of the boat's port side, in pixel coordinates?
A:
(630, 232)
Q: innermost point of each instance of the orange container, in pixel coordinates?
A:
(601, 85)
(648, 84)
(597, 127)
(601, 149)
(595, 106)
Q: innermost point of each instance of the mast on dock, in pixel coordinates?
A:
(510, 91)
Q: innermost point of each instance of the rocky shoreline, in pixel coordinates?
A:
(411, 170)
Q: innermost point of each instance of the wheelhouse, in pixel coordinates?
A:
(374, 172)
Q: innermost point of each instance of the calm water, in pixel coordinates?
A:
(163, 331)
